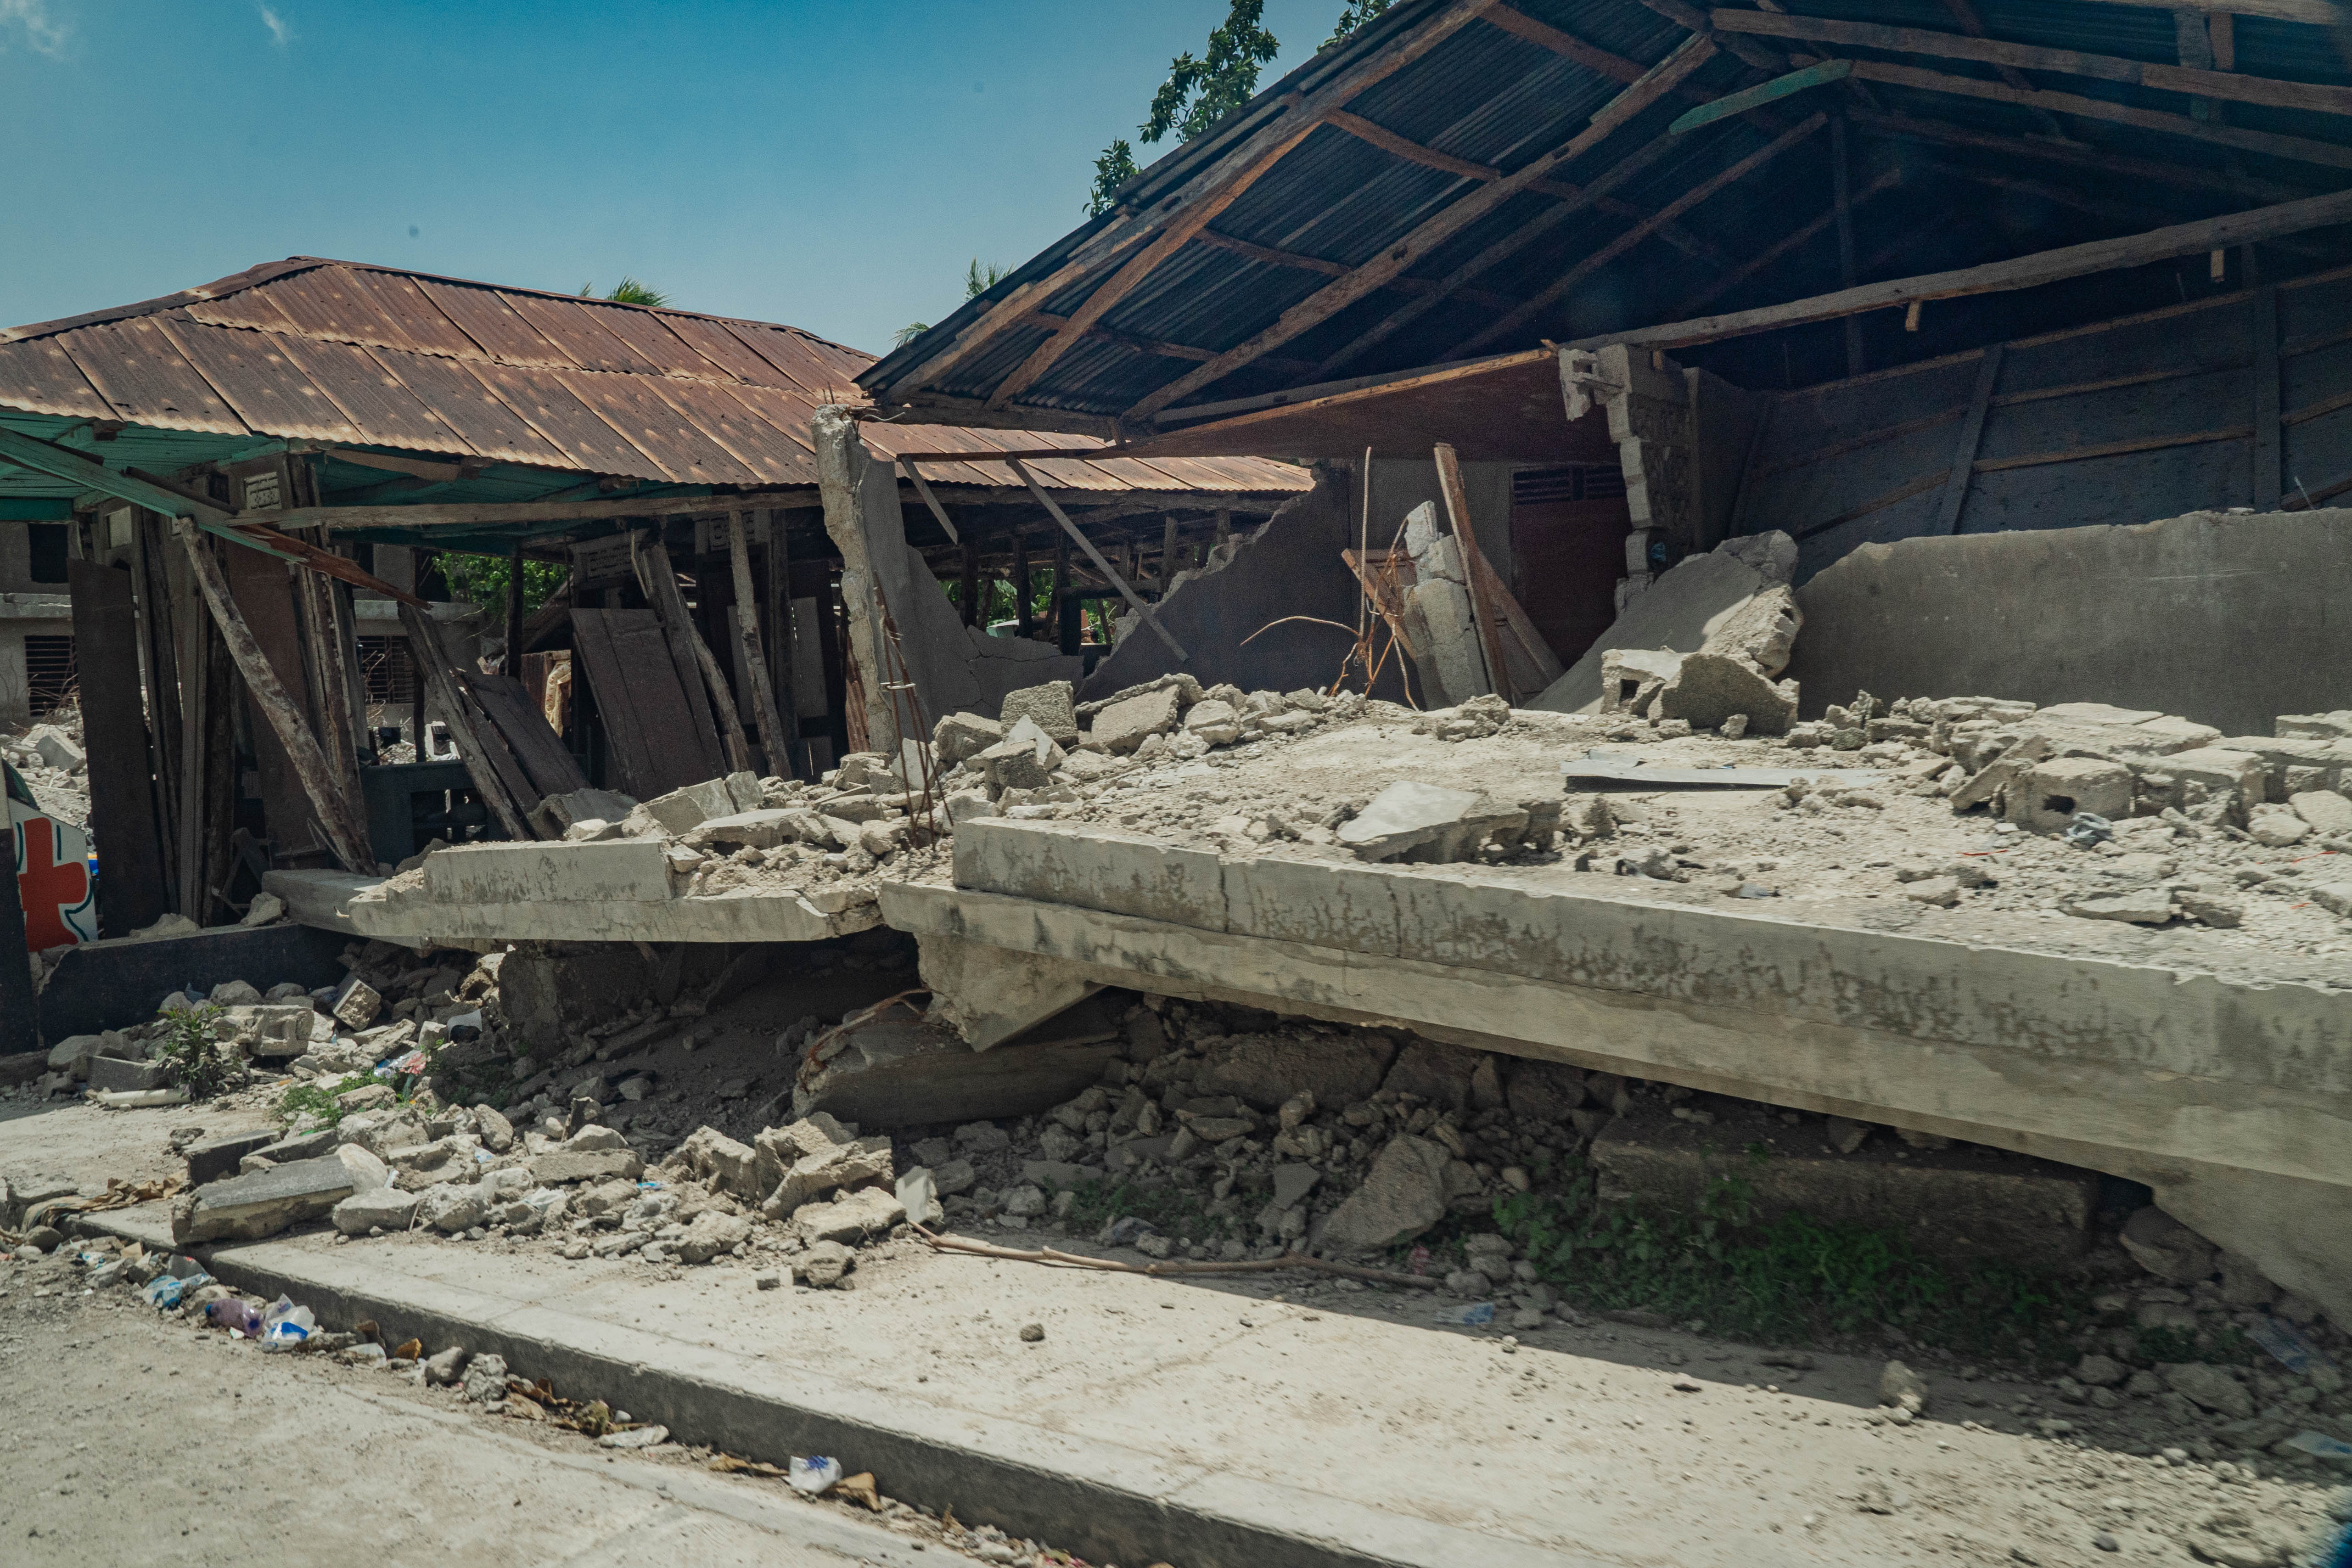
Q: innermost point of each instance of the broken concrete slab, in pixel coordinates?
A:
(1403, 1196)
(686, 809)
(909, 1072)
(217, 1157)
(557, 1169)
(853, 1219)
(386, 1208)
(1121, 726)
(1707, 688)
(248, 1209)
(623, 870)
(961, 735)
(1632, 677)
(554, 816)
(1957, 1204)
(1411, 821)
(108, 1074)
(1688, 603)
(1050, 705)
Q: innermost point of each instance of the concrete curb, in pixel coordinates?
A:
(1105, 1502)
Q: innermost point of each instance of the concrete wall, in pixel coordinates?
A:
(2228, 620)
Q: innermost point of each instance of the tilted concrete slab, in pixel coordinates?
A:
(2231, 1096)
(335, 901)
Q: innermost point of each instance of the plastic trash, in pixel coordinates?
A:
(165, 1291)
(234, 1314)
(2294, 1353)
(2087, 829)
(184, 1266)
(285, 1325)
(472, 1020)
(813, 1474)
(1476, 1315)
(2320, 1446)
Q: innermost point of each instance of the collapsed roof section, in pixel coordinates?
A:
(1465, 180)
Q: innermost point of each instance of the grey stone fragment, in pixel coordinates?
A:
(1425, 822)
(1294, 1181)
(1709, 688)
(387, 1207)
(248, 1209)
(1403, 1196)
(683, 810)
(824, 1264)
(445, 1368)
(1267, 1069)
(918, 1195)
(106, 1073)
(953, 1176)
(2138, 906)
(2166, 1248)
(485, 1379)
(1121, 727)
(1901, 1388)
(1049, 706)
(711, 1233)
(73, 1054)
(635, 1438)
(2325, 809)
(855, 1217)
(555, 1170)
(218, 1157)
(761, 829)
(356, 1005)
(2210, 1387)
(453, 1207)
(722, 1162)
(961, 735)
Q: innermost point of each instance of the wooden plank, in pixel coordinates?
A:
(495, 774)
(1476, 573)
(1430, 234)
(507, 703)
(1964, 451)
(1917, 485)
(1519, 25)
(1633, 236)
(923, 489)
(1762, 93)
(1121, 584)
(2314, 12)
(2267, 477)
(1858, 442)
(2205, 83)
(2299, 149)
(1688, 15)
(631, 753)
(485, 738)
(1843, 178)
(114, 734)
(2114, 448)
(344, 826)
(1994, 277)
(643, 702)
(658, 578)
(775, 737)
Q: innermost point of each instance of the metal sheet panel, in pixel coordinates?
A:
(587, 441)
(39, 377)
(324, 302)
(647, 333)
(387, 412)
(769, 452)
(485, 317)
(783, 410)
(684, 451)
(886, 441)
(143, 373)
(410, 310)
(570, 327)
(477, 415)
(714, 342)
(829, 377)
(247, 308)
(270, 391)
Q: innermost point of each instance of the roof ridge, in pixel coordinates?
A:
(219, 289)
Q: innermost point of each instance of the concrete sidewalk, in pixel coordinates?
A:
(1208, 1426)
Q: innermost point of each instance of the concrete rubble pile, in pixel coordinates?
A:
(50, 757)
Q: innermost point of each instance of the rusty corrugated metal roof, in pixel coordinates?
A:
(341, 352)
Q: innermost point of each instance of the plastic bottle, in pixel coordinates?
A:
(234, 1313)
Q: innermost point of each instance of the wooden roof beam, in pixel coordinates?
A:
(2266, 90)
(1307, 112)
(1412, 151)
(1789, 242)
(2260, 225)
(2314, 12)
(1390, 263)
(1626, 241)
(1945, 133)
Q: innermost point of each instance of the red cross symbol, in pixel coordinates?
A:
(48, 887)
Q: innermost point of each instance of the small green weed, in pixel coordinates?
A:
(193, 1058)
(1789, 1279)
(315, 1102)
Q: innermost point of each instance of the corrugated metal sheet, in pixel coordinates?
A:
(371, 357)
(1488, 96)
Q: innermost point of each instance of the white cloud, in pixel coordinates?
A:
(45, 33)
(280, 30)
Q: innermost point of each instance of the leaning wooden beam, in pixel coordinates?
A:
(2297, 149)
(775, 739)
(923, 489)
(1519, 25)
(1787, 242)
(2231, 85)
(1126, 590)
(1328, 301)
(1995, 276)
(1190, 207)
(1633, 236)
(339, 817)
(650, 558)
(430, 660)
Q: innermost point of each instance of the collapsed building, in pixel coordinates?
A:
(1532, 721)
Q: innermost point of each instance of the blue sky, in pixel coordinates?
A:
(833, 163)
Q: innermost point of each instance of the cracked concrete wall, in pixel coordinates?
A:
(2228, 619)
(954, 668)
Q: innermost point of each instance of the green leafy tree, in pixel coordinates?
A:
(1354, 14)
(979, 278)
(483, 580)
(1197, 94)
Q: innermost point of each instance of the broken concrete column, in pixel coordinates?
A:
(903, 1072)
(953, 667)
(1632, 677)
(1442, 595)
(988, 995)
(1732, 601)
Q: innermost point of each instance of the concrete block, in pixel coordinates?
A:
(1678, 611)
(1121, 726)
(2325, 809)
(246, 1208)
(1326, 903)
(603, 1165)
(73, 1055)
(1051, 705)
(1408, 820)
(554, 815)
(961, 735)
(218, 1157)
(57, 749)
(1632, 677)
(1709, 687)
(682, 810)
(761, 829)
(2048, 794)
(2337, 725)
(2209, 771)
(1960, 1204)
(111, 1073)
(1094, 867)
(615, 871)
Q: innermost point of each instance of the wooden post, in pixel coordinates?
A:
(1062, 563)
(776, 628)
(968, 586)
(1054, 610)
(514, 611)
(659, 580)
(195, 686)
(1964, 455)
(1457, 510)
(432, 675)
(1224, 524)
(347, 664)
(417, 655)
(2268, 482)
(1026, 621)
(1842, 175)
(1167, 553)
(772, 735)
(339, 723)
(339, 817)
